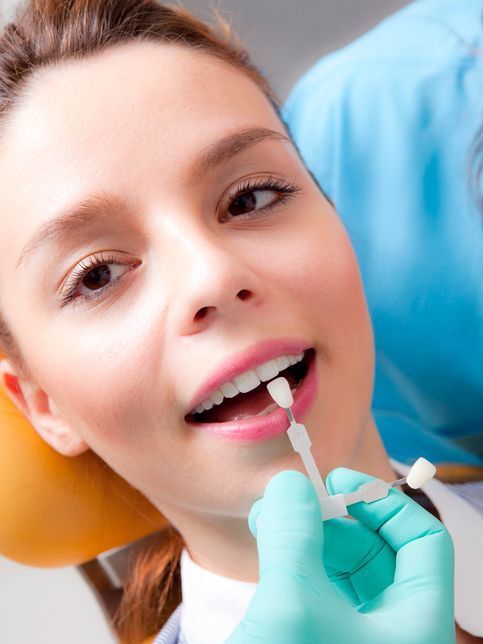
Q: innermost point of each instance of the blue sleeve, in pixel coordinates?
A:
(386, 127)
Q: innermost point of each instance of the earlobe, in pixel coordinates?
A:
(47, 419)
(41, 411)
(68, 444)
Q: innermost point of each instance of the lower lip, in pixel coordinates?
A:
(260, 428)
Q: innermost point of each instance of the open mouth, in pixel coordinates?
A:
(256, 402)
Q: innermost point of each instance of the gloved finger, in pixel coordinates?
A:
(359, 562)
(253, 517)
(294, 600)
(290, 529)
(423, 545)
(351, 551)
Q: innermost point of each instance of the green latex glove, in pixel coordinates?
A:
(295, 601)
(358, 561)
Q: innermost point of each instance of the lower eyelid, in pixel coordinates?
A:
(283, 197)
(69, 296)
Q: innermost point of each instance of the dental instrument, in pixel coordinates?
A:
(335, 505)
(279, 390)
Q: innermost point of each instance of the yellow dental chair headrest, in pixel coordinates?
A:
(56, 510)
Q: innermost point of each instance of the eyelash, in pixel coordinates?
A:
(276, 184)
(271, 183)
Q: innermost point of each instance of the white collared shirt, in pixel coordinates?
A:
(212, 605)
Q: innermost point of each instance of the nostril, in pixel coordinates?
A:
(243, 294)
(201, 313)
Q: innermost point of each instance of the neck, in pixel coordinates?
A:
(225, 546)
(370, 456)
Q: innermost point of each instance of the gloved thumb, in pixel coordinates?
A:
(287, 523)
(294, 600)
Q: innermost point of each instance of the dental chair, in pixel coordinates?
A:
(58, 511)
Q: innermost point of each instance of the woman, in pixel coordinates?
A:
(161, 237)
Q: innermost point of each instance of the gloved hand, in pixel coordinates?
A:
(295, 601)
(358, 561)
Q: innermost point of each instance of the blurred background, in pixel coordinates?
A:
(285, 38)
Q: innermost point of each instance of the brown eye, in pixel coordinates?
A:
(259, 196)
(250, 201)
(95, 276)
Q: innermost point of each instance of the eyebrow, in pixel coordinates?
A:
(105, 204)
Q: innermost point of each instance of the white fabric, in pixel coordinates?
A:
(213, 605)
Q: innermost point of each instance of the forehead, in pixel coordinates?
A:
(131, 116)
(136, 90)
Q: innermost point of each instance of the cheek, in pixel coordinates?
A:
(327, 290)
(321, 271)
(100, 383)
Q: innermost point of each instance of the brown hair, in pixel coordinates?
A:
(45, 32)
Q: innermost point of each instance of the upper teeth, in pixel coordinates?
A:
(248, 380)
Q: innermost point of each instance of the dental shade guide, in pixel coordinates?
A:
(279, 390)
(335, 505)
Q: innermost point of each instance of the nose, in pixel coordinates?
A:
(215, 283)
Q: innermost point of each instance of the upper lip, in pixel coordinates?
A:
(242, 361)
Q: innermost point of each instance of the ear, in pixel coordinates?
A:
(41, 411)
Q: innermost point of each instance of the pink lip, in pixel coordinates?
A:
(259, 428)
(256, 355)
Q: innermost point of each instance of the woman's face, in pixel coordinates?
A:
(117, 372)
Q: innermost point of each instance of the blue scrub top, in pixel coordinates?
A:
(386, 127)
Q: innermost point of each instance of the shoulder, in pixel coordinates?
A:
(420, 66)
(416, 44)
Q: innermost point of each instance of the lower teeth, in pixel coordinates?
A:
(268, 410)
(271, 407)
